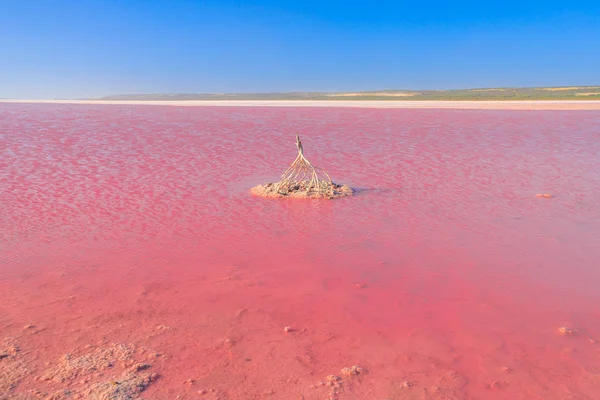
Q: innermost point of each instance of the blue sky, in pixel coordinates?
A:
(89, 48)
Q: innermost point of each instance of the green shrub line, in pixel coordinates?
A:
(555, 93)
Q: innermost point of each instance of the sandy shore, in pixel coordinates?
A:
(476, 105)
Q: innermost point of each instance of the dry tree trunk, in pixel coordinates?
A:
(303, 180)
(302, 175)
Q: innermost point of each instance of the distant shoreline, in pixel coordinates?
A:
(399, 104)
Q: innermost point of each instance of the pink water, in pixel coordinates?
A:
(445, 270)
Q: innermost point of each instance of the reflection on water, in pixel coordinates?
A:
(444, 278)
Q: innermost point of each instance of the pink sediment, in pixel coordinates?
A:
(134, 226)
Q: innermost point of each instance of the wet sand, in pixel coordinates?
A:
(135, 262)
(465, 105)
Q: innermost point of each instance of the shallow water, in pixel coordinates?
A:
(134, 224)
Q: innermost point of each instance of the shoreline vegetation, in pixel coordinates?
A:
(525, 105)
(541, 98)
(483, 94)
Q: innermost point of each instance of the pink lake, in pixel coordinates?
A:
(445, 277)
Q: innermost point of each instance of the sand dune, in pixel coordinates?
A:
(560, 89)
(382, 94)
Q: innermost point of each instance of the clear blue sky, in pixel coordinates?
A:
(88, 48)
